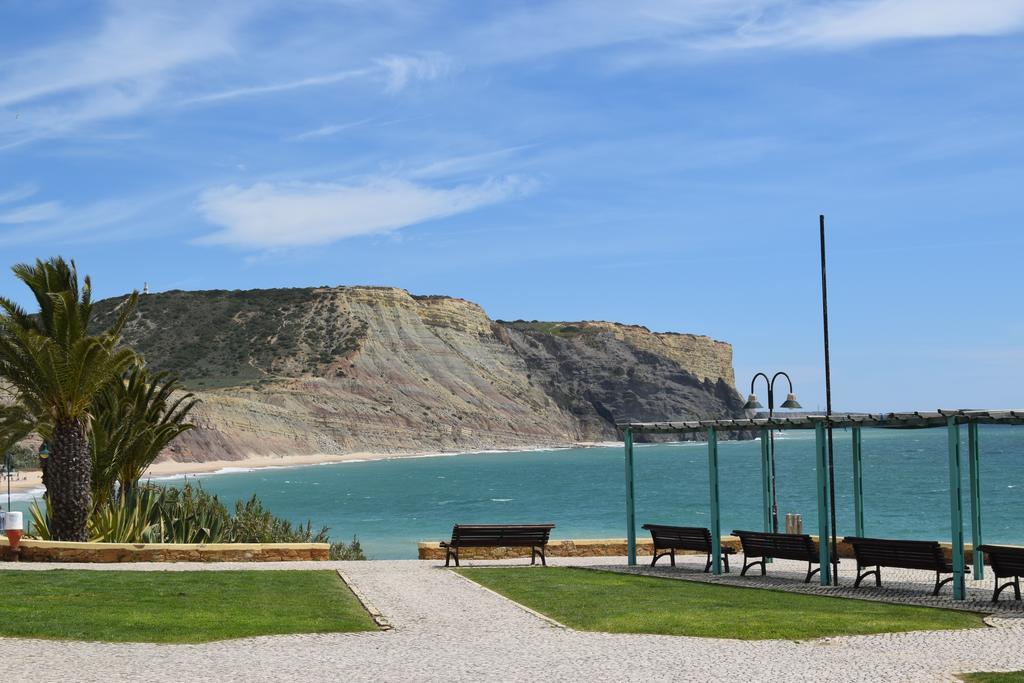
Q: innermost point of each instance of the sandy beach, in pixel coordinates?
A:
(169, 468)
(33, 479)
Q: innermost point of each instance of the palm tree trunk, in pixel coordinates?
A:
(69, 482)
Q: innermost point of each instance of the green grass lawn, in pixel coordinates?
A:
(619, 603)
(175, 607)
(1005, 677)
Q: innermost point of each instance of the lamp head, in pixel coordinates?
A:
(791, 402)
(752, 403)
(44, 451)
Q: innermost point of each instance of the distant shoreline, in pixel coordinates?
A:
(170, 469)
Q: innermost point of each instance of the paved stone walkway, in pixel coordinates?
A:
(447, 628)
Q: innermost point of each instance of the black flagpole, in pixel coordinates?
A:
(828, 408)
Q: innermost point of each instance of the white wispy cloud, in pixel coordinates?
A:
(308, 82)
(17, 193)
(397, 71)
(853, 24)
(115, 71)
(135, 41)
(268, 215)
(402, 69)
(647, 31)
(327, 131)
(92, 221)
(31, 213)
(463, 164)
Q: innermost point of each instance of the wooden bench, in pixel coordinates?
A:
(763, 545)
(533, 536)
(672, 538)
(1006, 562)
(887, 552)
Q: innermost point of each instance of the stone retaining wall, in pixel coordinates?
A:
(601, 547)
(54, 551)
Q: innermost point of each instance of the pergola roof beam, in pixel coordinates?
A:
(902, 420)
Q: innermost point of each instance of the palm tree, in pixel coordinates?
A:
(15, 425)
(55, 369)
(134, 420)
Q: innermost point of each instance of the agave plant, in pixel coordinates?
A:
(40, 521)
(190, 515)
(132, 518)
(55, 369)
(133, 421)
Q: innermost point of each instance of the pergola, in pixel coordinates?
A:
(950, 419)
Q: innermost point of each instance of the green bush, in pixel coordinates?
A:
(253, 523)
(347, 551)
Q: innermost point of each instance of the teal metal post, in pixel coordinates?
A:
(858, 485)
(630, 507)
(823, 531)
(766, 479)
(716, 522)
(956, 515)
(974, 462)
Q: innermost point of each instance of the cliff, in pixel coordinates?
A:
(336, 370)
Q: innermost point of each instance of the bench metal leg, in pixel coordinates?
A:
(536, 552)
(452, 553)
(999, 589)
(671, 555)
(811, 573)
(939, 584)
(725, 563)
(877, 571)
(748, 565)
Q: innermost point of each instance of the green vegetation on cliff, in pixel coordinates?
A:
(222, 338)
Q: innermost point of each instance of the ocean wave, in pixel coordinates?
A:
(28, 495)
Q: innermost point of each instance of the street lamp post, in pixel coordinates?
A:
(7, 471)
(753, 404)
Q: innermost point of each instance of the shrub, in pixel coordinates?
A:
(253, 523)
(347, 551)
(156, 514)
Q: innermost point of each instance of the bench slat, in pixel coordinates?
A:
(903, 554)
(781, 546)
(1005, 560)
(680, 537)
(497, 535)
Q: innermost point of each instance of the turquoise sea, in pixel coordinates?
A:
(392, 504)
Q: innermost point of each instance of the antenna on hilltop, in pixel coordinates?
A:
(145, 288)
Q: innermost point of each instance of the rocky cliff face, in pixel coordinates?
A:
(336, 370)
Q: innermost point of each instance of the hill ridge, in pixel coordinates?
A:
(288, 371)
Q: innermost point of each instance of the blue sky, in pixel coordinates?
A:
(654, 163)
